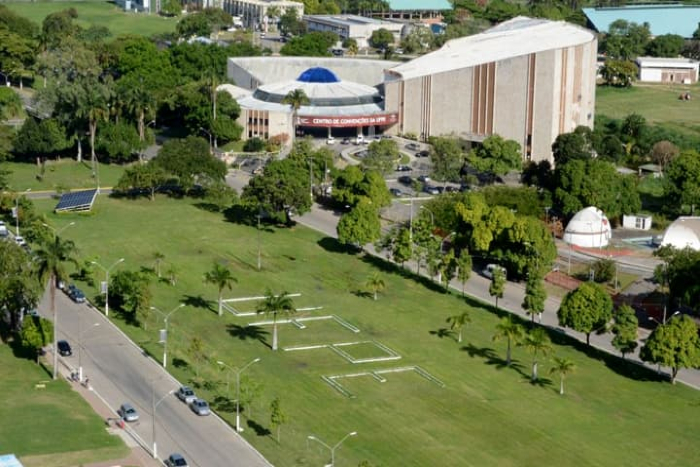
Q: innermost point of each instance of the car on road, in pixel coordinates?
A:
(490, 268)
(345, 141)
(330, 140)
(404, 168)
(412, 146)
(3, 230)
(396, 192)
(20, 240)
(128, 413)
(431, 190)
(75, 294)
(176, 460)
(186, 394)
(200, 407)
(64, 349)
(405, 180)
(423, 178)
(423, 154)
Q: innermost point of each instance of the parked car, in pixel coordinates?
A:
(405, 179)
(451, 189)
(431, 190)
(396, 192)
(176, 460)
(186, 394)
(64, 349)
(345, 141)
(75, 294)
(3, 229)
(423, 178)
(20, 240)
(128, 413)
(330, 140)
(490, 268)
(404, 168)
(412, 146)
(200, 407)
(360, 139)
(423, 154)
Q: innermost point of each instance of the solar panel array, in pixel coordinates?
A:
(76, 201)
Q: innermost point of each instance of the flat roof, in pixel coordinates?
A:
(663, 19)
(513, 38)
(419, 5)
(348, 20)
(667, 62)
(270, 3)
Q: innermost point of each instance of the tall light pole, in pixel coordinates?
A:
(259, 252)
(155, 406)
(432, 217)
(57, 232)
(311, 180)
(165, 341)
(17, 210)
(332, 449)
(81, 331)
(238, 388)
(106, 288)
(410, 227)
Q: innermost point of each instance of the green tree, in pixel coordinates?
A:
(190, 160)
(10, 104)
(45, 138)
(221, 196)
(118, 141)
(498, 284)
(277, 416)
(16, 55)
(360, 226)
(537, 343)
(375, 284)
(381, 38)
(511, 331)
(675, 344)
(663, 152)
(50, 264)
(625, 40)
(295, 99)
(18, 287)
(58, 26)
(666, 45)
(313, 44)
(139, 177)
(625, 330)
(222, 278)
(171, 8)
(464, 268)
(562, 367)
(447, 268)
(290, 23)
(352, 186)
(274, 305)
(158, 258)
(196, 351)
(620, 73)
(447, 158)
(496, 156)
(604, 270)
(381, 156)
(401, 246)
(130, 291)
(36, 333)
(586, 309)
(576, 145)
(535, 294)
(457, 322)
(683, 180)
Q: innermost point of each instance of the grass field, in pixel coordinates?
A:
(66, 173)
(51, 426)
(486, 415)
(658, 104)
(98, 13)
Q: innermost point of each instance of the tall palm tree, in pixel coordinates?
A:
(537, 343)
(50, 266)
(274, 305)
(375, 284)
(458, 321)
(562, 367)
(91, 104)
(511, 331)
(295, 99)
(158, 258)
(141, 103)
(222, 278)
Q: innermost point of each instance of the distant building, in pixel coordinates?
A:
(135, 5)
(667, 70)
(423, 10)
(589, 228)
(663, 19)
(352, 27)
(637, 222)
(684, 232)
(254, 14)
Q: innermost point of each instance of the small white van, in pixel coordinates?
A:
(490, 268)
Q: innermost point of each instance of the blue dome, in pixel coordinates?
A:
(318, 75)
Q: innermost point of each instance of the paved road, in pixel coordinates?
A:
(119, 372)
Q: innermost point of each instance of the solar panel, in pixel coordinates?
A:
(76, 201)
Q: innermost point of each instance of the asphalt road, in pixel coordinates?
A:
(119, 372)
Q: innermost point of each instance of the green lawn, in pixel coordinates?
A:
(99, 13)
(486, 415)
(66, 174)
(658, 104)
(51, 425)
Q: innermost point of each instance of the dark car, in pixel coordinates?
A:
(64, 349)
(423, 154)
(423, 178)
(431, 190)
(412, 146)
(76, 294)
(345, 141)
(405, 179)
(396, 192)
(403, 168)
(176, 460)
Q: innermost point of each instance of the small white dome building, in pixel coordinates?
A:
(683, 232)
(589, 228)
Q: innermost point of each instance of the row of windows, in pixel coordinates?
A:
(252, 134)
(322, 102)
(258, 121)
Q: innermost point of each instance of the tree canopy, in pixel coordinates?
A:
(586, 309)
(675, 344)
(190, 161)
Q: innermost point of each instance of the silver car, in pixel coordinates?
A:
(128, 413)
(200, 407)
(186, 394)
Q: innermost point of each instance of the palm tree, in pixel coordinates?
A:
(375, 284)
(141, 103)
(222, 278)
(295, 99)
(275, 305)
(91, 103)
(50, 265)
(511, 331)
(158, 258)
(562, 367)
(457, 322)
(537, 343)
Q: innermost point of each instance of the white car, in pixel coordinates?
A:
(330, 140)
(20, 240)
(490, 268)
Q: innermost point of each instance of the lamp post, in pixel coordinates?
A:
(332, 449)
(17, 210)
(81, 331)
(442, 242)
(432, 217)
(210, 145)
(155, 406)
(106, 270)
(259, 252)
(165, 341)
(238, 388)
(57, 232)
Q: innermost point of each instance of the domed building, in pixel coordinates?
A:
(589, 228)
(684, 232)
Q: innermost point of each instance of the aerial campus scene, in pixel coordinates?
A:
(349, 233)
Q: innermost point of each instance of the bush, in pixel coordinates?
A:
(254, 145)
(604, 270)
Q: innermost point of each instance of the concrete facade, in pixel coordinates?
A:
(254, 13)
(352, 27)
(529, 95)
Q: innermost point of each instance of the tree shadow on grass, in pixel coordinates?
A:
(391, 268)
(442, 333)
(540, 381)
(223, 404)
(180, 363)
(199, 302)
(243, 333)
(258, 429)
(332, 245)
(486, 353)
(362, 293)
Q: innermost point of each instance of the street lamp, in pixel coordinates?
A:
(57, 232)
(17, 210)
(442, 242)
(155, 406)
(238, 388)
(259, 252)
(205, 131)
(165, 340)
(80, 346)
(332, 449)
(106, 287)
(432, 217)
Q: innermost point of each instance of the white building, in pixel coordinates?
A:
(684, 232)
(667, 70)
(637, 222)
(254, 14)
(589, 228)
(352, 27)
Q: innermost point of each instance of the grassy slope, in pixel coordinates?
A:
(486, 414)
(54, 420)
(99, 13)
(66, 173)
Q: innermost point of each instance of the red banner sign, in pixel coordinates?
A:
(355, 121)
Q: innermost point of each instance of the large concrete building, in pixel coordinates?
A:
(254, 14)
(528, 80)
(352, 27)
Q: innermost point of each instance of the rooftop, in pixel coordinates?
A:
(347, 19)
(513, 38)
(663, 61)
(419, 5)
(662, 19)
